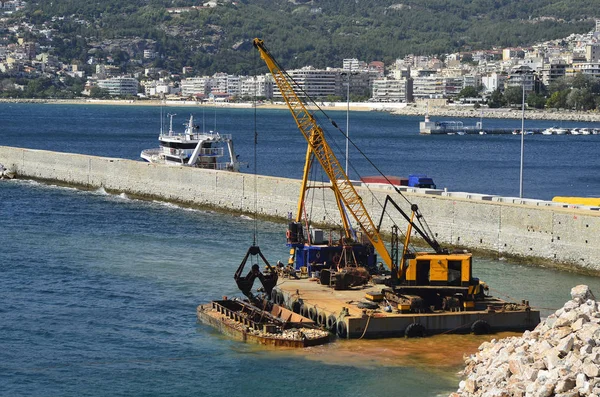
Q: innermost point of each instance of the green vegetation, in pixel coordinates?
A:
(320, 33)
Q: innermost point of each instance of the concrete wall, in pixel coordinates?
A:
(529, 228)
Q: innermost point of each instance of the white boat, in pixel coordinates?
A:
(560, 131)
(549, 131)
(585, 131)
(575, 131)
(193, 149)
(596, 131)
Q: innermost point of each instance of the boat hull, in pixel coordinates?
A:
(235, 324)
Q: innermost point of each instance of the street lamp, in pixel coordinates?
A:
(522, 139)
(348, 74)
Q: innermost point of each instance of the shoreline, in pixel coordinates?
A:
(397, 109)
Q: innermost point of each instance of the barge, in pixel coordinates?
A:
(365, 312)
(278, 327)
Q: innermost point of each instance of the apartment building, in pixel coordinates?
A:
(120, 86)
(194, 86)
(392, 90)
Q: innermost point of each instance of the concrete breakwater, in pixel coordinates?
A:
(502, 113)
(508, 227)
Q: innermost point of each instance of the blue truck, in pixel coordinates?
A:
(420, 180)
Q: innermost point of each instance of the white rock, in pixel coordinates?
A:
(582, 292)
(565, 344)
(591, 370)
(580, 380)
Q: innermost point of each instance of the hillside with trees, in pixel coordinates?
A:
(319, 33)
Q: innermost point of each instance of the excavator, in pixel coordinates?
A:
(418, 281)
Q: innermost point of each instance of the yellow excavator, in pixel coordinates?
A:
(418, 280)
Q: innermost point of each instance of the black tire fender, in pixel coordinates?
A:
(481, 327)
(415, 330)
(341, 329)
(332, 323)
(296, 307)
(303, 310)
(279, 298)
(322, 319)
(312, 313)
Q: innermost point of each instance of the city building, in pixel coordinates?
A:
(119, 86)
(193, 86)
(392, 90)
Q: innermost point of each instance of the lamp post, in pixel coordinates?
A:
(348, 118)
(522, 138)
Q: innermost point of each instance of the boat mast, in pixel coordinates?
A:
(170, 115)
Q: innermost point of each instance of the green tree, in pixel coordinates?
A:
(468, 92)
(536, 101)
(496, 99)
(558, 100)
(97, 92)
(513, 96)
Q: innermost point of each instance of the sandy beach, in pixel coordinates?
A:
(400, 109)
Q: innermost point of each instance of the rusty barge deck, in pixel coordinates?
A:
(279, 327)
(349, 315)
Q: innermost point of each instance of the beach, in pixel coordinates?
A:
(399, 109)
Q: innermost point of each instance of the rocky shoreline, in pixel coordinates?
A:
(560, 357)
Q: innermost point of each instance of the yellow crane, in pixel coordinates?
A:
(432, 279)
(318, 147)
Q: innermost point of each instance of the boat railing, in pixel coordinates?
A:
(212, 151)
(213, 135)
(152, 152)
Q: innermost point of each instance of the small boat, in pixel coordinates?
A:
(575, 131)
(277, 327)
(193, 149)
(585, 131)
(549, 131)
(596, 131)
(560, 131)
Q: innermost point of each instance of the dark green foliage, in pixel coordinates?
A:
(319, 33)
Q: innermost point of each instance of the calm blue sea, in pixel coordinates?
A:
(98, 291)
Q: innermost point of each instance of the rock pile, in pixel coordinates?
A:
(560, 357)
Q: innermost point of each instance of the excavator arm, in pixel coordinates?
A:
(344, 190)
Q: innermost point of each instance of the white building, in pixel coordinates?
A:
(587, 68)
(194, 86)
(392, 90)
(491, 82)
(259, 86)
(119, 86)
(317, 83)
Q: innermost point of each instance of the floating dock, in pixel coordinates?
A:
(350, 315)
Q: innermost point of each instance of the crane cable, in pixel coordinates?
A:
(333, 123)
(254, 100)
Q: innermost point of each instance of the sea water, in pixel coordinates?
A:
(98, 291)
(553, 165)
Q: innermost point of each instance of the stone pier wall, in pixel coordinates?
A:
(529, 228)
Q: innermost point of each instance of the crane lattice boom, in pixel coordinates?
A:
(315, 137)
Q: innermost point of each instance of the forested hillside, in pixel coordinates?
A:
(319, 33)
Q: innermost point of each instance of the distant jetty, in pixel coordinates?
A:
(503, 113)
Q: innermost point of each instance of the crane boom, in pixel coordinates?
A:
(319, 147)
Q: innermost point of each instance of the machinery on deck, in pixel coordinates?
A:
(419, 281)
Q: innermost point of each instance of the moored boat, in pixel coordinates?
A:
(193, 149)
